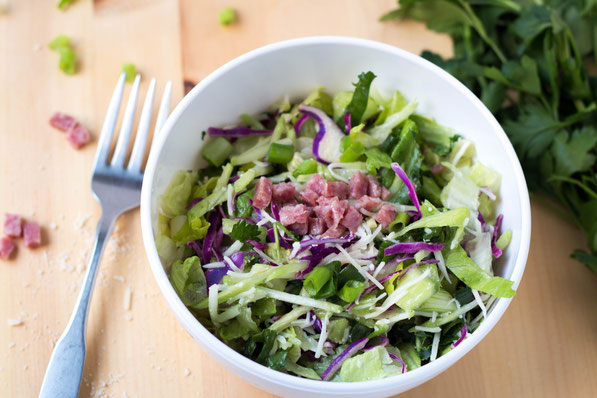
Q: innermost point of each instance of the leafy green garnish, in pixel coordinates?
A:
(68, 59)
(358, 104)
(529, 63)
(243, 230)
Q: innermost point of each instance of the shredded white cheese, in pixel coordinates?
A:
(296, 246)
(229, 199)
(397, 295)
(128, 295)
(480, 302)
(358, 267)
(323, 336)
(265, 256)
(234, 248)
(428, 330)
(14, 322)
(231, 264)
(442, 264)
(213, 304)
(216, 264)
(434, 346)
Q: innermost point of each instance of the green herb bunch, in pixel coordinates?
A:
(530, 62)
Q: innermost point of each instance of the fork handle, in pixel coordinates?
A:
(64, 372)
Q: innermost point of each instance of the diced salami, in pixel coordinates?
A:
(374, 189)
(368, 203)
(13, 225)
(386, 214)
(7, 246)
(317, 184)
(335, 232)
(316, 226)
(262, 196)
(300, 228)
(385, 192)
(78, 136)
(309, 196)
(331, 210)
(283, 192)
(32, 234)
(352, 219)
(336, 188)
(293, 214)
(358, 185)
(62, 121)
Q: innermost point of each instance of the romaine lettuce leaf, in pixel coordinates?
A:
(473, 276)
(374, 364)
(177, 195)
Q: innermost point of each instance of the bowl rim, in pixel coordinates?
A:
(218, 349)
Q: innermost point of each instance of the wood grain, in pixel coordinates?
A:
(544, 346)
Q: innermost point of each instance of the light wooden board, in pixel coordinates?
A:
(544, 346)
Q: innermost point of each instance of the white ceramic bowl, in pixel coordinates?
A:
(253, 81)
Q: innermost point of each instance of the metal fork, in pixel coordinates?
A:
(117, 189)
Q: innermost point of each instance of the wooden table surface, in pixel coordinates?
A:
(544, 346)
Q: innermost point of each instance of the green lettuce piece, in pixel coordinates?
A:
(504, 239)
(341, 101)
(188, 280)
(187, 233)
(473, 276)
(410, 356)
(451, 218)
(461, 191)
(406, 152)
(175, 200)
(320, 99)
(168, 251)
(337, 330)
(376, 159)
(359, 103)
(421, 291)
(260, 149)
(462, 153)
(374, 364)
(441, 302)
(302, 371)
(396, 104)
(434, 133)
(382, 131)
(485, 177)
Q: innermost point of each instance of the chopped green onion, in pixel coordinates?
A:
(216, 151)
(316, 280)
(280, 153)
(130, 71)
(308, 166)
(227, 16)
(351, 290)
(64, 3)
(504, 240)
(68, 59)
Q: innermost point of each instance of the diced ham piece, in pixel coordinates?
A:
(331, 210)
(263, 193)
(368, 203)
(283, 192)
(300, 228)
(32, 234)
(7, 246)
(294, 214)
(316, 226)
(317, 184)
(385, 192)
(62, 121)
(310, 197)
(78, 136)
(13, 225)
(386, 214)
(335, 232)
(352, 219)
(338, 189)
(358, 185)
(374, 189)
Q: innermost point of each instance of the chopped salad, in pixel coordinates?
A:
(341, 238)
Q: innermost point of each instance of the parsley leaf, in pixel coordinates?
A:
(242, 231)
